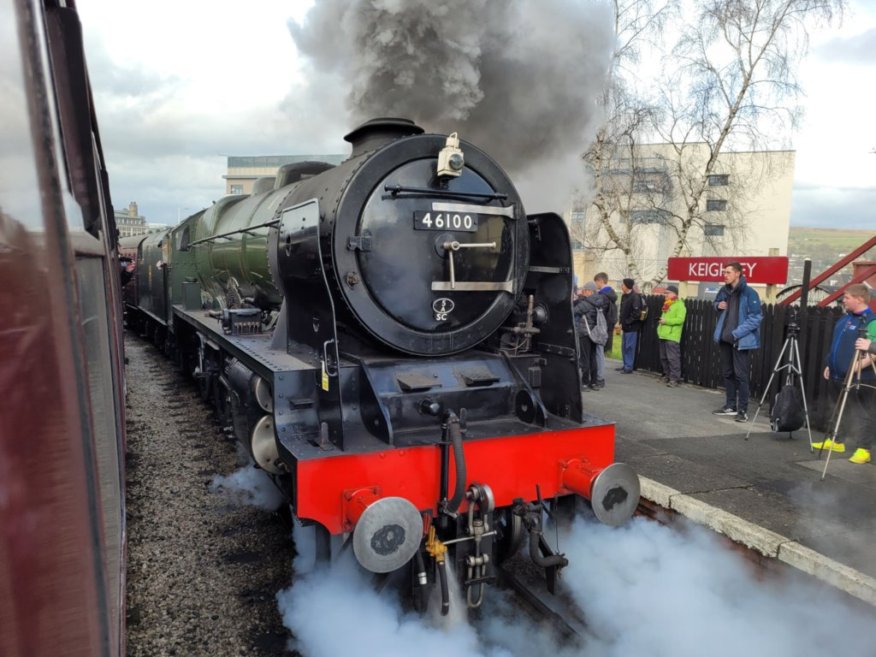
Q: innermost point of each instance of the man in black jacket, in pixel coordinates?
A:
(586, 307)
(631, 323)
(605, 290)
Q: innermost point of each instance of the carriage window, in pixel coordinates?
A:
(19, 186)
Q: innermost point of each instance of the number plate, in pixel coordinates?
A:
(461, 221)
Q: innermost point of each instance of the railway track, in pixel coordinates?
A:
(202, 570)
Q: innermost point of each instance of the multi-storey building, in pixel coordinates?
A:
(744, 210)
(130, 222)
(243, 171)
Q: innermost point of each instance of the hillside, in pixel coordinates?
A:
(824, 246)
(825, 242)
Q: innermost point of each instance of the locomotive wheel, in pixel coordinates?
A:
(510, 535)
(205, 385)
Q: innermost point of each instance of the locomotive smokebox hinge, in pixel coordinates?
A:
(359, 242)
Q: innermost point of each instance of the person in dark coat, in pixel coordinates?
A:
(631, 323)
(611, 312)
(605, 290)
(587, 306)
(737, 335)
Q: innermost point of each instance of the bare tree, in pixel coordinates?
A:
(637, 23)
(729, 83)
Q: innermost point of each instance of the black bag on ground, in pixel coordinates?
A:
(788, 413)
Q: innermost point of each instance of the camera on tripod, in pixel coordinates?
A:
(789, 411)
(792, 323)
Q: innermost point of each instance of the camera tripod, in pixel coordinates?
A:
(791, 368)
(852, 380)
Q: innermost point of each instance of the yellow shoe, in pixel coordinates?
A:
(861, 455)
(831, 445)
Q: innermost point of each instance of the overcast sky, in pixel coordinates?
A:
(180, 85)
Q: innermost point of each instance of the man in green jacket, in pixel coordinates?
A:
(669, 331)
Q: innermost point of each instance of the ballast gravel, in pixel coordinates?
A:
(203, 569)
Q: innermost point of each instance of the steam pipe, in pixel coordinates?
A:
(438, 551)
(554, 560)
(445, 591)
(421, 569)
(455, 433)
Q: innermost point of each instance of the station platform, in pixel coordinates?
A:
(765, 492)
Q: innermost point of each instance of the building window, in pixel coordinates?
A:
(237, 189)
(713, 230)
(716, 204)
(650, 216)
(719, 180)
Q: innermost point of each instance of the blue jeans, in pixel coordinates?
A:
(600, 363)
(628, 348)
(736, 368)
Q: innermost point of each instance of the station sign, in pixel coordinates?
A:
(770, 270)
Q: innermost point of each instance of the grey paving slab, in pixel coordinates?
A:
(682, 474)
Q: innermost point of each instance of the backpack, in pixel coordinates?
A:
(611, 318)
(642, 313)
(787, 413)
(599, 333)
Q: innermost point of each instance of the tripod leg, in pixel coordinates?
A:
(803, 393)
(766, 391)
(847, 384)
(826, 462)
(760, 404)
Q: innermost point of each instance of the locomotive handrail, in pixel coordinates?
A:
(395, 190)
(506, 211)
(227, 235)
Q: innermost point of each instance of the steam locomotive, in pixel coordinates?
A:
(392, 340)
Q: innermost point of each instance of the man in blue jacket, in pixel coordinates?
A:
(859, 413)
(737, 333)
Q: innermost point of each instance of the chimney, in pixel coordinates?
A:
(377, 132)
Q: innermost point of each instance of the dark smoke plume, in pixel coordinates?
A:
(518, 78)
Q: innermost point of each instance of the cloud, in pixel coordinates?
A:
(836, 207)
(859, 49)
(189, 86)
(179, 86)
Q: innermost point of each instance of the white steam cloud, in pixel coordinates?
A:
(648, 590)
(519, 79)
(248, 486)
(643, 588)
(334, 611)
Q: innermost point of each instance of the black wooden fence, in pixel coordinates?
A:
(701, 362)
